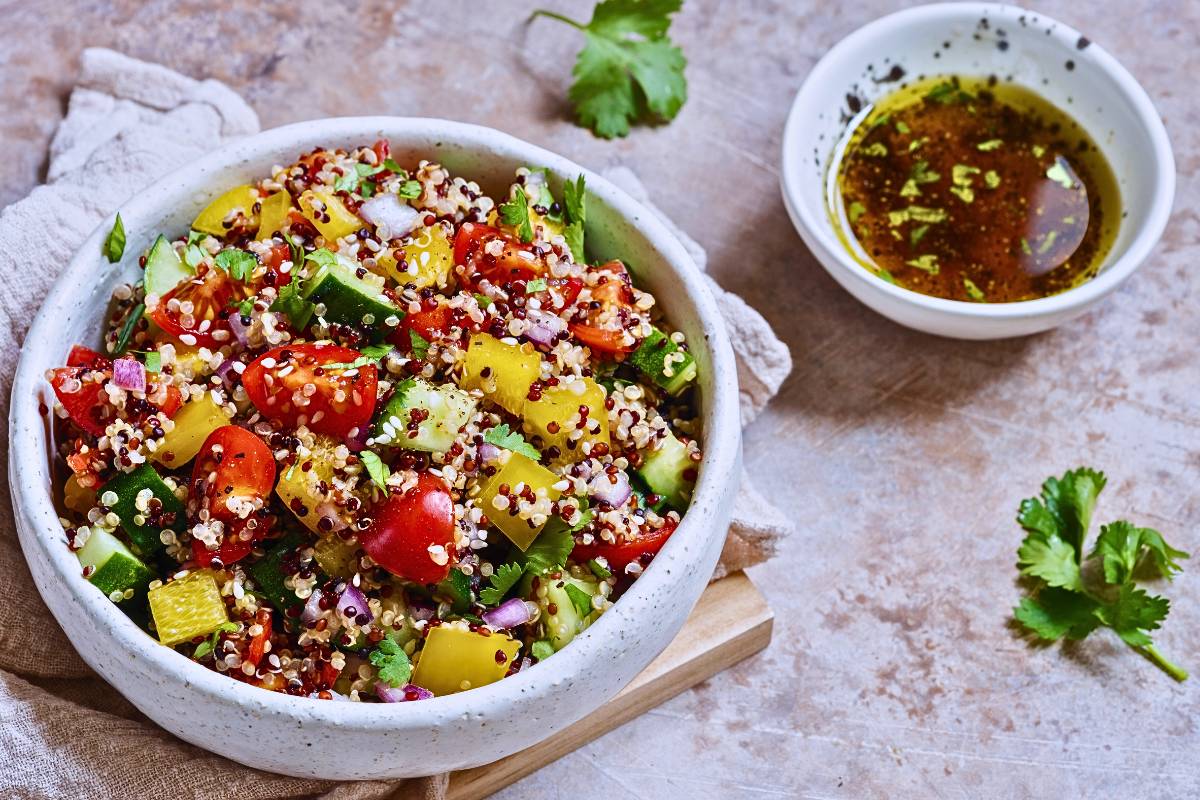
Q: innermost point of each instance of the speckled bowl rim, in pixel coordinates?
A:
(672, 565)
(1161, 159)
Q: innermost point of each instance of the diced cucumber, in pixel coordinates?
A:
(664, 472)
(268, 573)
(164, 268)
(566, 621)
(651, 358)
(351, 300)
(446, 409)
(114, 569)
(144, 533)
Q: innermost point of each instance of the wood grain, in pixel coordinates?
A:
(730, 622)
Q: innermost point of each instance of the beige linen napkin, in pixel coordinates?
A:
(64, 733)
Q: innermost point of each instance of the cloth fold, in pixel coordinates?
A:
(64, 733)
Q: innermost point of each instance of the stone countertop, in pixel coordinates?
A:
(902, 457)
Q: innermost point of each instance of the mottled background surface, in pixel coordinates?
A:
(902, 457)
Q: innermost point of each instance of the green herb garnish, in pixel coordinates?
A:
(410, 190)
(515, 212)
(1069, 600)
(629, 68)
(395, 667)
(579, 598)
(599, 570)
(238, 263)
(541, 650)
(535, 285)
(378, 470)
(989, 145)
(126, 333)
(549, 551)
(114, 244)
(574, 201)
(420, 345)
(501, 436)
(502, 581)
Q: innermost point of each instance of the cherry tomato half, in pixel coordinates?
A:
(232, 479)
(79, 386)
(516, 260)
(277, 384)
(621, 554)
(405, 526)
(601, 324)
(210, 293)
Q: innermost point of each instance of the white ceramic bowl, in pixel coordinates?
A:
(1013, 44)
(298, 736)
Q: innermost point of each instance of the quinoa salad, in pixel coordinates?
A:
(366, 433)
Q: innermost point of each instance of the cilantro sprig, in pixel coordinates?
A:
(1076, 591)
(502, 581)
(395, 667)
(629, 69)
(573, 199)
(240, 264)
(378, 470)
(501, 436)
(515, 212)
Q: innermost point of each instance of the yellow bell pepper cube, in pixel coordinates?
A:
(193, 423)
(335, 556)
(556, 414)
(274, 215)
(239, 198)
(455, 659)
(429, 256)
(186, 608)
(503, 371)
(79, 499)
(335, 221)
(520, 527)
(299, 488)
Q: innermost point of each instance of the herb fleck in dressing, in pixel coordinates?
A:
(972, 190)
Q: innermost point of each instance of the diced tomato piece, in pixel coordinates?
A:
(621, 554)
(81, 356)
(428, 323)
(211, 293)
(516, 260)
(233, 465)
(601, 324)
(405, 526)
(277, 384)
(276, 255)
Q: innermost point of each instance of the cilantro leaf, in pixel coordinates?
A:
(420, 345)
(391, 166)
(1133, 613)
(501, 436)
(584, 518)
(238, 263)
(395, 667)
(599, 569)
(378, 470)
(628, 68)
(535, 285)
(515, 212)
(1051, 559)
(1121, 546)
(1065, 508)
(322, 258)
(579, 598)
(573, 199)
(502, 581)
(541, 649)
(153, 361)
(114, 244)
(410, 190)
(549, 551)
(292, 304)
(1056, 613)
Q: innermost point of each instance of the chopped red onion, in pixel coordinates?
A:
(406, 693)
(227, 374)
(329, 510)
(488, 452)
(240, 330)
(612, 489)
(353, 598)
(129, 374)
(420, 611)
(358, 442)
(508, 614)
(544, 326)
(386, 211)
(312, 607)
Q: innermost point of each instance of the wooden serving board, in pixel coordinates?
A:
(730, 622)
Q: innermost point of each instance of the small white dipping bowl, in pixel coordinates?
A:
(345, 740)
(979, 40)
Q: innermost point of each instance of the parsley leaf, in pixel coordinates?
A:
(503, 580)
(1071, 600)
(580, 599)
(420, 345)
(378, 470)
(549, 551)
(628, 68)
(573, 199)
(114, 245)
(395, 667)
(515, 212)
(410, 190)
(501, 436)
(238, 263)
